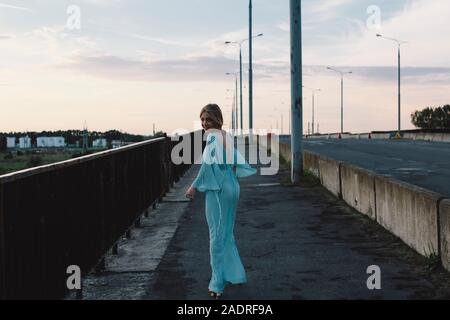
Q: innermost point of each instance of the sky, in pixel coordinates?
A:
(126, 65)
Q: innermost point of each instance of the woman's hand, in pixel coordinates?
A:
(190, 193)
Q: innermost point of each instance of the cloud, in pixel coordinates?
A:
(326, 6)
(7, 6)
(213, 68)
(423, 24)
(125, 69)
(102, 3)
(380, 74)
(410, 75)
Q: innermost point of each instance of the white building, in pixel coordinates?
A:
(119, 143)
(99, 143)
(25, 142)
(10, 142)
(50, 142)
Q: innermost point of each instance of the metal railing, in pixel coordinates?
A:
(73, 213)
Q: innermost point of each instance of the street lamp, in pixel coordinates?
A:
(313, 93)
(239, 43)
(399, 43)
(235, 74)
(281, 122)
(342, 93)
(233, 122)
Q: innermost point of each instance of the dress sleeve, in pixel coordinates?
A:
(243, 169)
(210, 177)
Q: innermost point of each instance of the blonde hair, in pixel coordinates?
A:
(214, 113)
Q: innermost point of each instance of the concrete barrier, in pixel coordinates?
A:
(409, 212)
(285, 152)
(330, 177)
(311, 163)
(427, 137)
(446, 137)
(364, 136)
(358, 189)
(444, 231)
(410, 136)
(381, 136)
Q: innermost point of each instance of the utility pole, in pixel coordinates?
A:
(250, 72)
(296, 91)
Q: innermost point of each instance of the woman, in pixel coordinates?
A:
(221, 165)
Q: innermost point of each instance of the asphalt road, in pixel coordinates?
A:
(425, 164)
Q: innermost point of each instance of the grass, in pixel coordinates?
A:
(21, 162)
(433, 260)
(308, 179)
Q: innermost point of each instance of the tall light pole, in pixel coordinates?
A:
(313, 93)
(281, 122)
(233, 115)
(239, 43)
(235, 74)
(296, 90)
(250, 70)
(399, 43)
(342, 93)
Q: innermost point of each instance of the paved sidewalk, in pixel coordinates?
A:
(296, 242)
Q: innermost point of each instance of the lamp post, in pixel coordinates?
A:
(239, 43)
(313, 93)
(342, 93)
(296, 90)
(233, 116)
(250, 70)
(235, 74)
(399, 43)
(281, 122)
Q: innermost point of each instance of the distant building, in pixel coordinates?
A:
(51, 142)
(99, 143)
(25, 142)
(10, 142)
(119, 143)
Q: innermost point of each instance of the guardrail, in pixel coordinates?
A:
(419, 135)
(73, 212)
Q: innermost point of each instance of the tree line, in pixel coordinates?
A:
(432, 118)
(73, 136)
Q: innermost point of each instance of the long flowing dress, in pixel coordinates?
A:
(218, 179)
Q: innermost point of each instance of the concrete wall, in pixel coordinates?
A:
(446, 137)
(409, 212)
(285, 152)
(417, 216)
(358, 189)
(330, 175)
(435, 137)
(382, 136)
(444, 217)
(311, 163)
(363, 136)
(410, 136)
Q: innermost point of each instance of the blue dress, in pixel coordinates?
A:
(218, 179)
